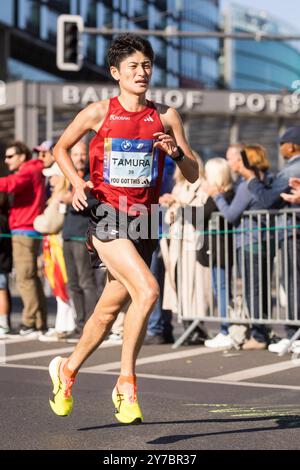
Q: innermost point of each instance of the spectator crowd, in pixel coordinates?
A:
(38, 223)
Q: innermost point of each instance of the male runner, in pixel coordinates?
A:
(133, 135)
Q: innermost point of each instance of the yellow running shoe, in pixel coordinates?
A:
(127, 408)
(62, 402)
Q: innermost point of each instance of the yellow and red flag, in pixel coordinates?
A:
(55, 267)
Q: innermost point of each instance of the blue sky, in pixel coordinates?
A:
(287, 10)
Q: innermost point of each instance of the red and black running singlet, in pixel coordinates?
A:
(123, 161)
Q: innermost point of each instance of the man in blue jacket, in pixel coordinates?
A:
(270, 197)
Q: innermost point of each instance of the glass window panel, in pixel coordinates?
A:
(29, 16)
(158, 77)
(88, 10)
(7, 12)
(74, 7)
(262, 70)
(49, 25)
(19, 70)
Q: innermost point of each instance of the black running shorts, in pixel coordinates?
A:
(106, 223)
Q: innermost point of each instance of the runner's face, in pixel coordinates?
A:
(134, 73)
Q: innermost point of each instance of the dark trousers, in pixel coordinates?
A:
(219, 275)
(255, 284)
(81, 280)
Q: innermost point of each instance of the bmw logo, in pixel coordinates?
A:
(126, 145)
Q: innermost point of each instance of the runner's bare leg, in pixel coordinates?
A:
(125, 264)
(129, 275)
(112, 300)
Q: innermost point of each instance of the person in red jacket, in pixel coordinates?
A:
(27, 184)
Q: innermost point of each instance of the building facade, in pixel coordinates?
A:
(28, 33)
(259, 65)
(33, 112)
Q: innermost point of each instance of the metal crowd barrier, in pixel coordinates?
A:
(262, 257)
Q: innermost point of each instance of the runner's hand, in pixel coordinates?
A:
(79, 201)
(166, 143)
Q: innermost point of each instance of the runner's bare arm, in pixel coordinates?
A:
(176, 137)
(88, 119)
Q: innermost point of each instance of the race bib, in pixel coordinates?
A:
(130, 163)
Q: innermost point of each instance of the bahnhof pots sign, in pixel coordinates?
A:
(194, 102)
(206, 101)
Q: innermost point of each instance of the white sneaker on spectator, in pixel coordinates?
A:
(50, 336)
(278, 347)
(4, 332)
(219, 341)
(295, 345)
(29, 333)
(114, 338)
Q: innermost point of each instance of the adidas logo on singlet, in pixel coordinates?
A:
(113, 117)
(148, 119)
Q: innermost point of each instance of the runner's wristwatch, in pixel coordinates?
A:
(180, 156)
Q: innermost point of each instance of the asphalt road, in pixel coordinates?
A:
(192, 398)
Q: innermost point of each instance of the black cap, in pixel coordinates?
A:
(291, 135)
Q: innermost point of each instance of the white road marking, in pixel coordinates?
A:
(254, 372)
(23, 366)
(195, 380)
(17, 339)
(33, 355)
(47, 352)
(169, 378)
(158, 358)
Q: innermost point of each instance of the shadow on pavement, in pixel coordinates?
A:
(288, 422)
(280, 424)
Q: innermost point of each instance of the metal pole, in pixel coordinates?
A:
(260, 269)
(49, 115)
(213, 301)
(251, 276)
(278, 270)
(234, 268)
(285, 254)
(227, 276)
(219, 300)
(168, 33)
(269, 262)
(294, 235)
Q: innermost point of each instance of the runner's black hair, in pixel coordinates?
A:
(125, 45)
